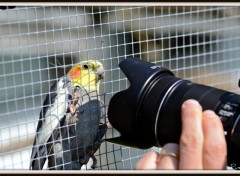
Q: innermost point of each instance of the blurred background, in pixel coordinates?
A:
(198, 43)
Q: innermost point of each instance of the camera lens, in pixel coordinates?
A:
(167, 111)
(148, 113)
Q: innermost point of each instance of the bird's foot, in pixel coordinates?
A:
(94, 166)
(73, 117)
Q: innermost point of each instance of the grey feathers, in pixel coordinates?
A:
(81, 138)
(69, 131)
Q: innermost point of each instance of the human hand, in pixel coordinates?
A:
(202, 143)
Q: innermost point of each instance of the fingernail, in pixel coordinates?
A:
(190, 102)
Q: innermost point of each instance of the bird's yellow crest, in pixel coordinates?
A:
(87, 74)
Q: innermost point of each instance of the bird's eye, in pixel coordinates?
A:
(86, 66)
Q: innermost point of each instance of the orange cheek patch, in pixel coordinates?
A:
(74, 73)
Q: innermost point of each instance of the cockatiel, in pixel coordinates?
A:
(81, 134)
(70, 141)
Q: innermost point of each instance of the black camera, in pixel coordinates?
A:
(148, 113)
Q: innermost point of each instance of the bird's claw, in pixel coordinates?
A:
(94, 166)
(72, 119)
(73, 106)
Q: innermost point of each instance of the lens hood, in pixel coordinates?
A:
(123, 112)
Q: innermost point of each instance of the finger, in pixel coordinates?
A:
(148, 161)
(166, 161)
(191, 140)
(214, 147)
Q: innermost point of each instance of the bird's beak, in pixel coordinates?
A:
(101, 76)
(100, 73)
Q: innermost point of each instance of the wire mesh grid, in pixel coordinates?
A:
(197, 43)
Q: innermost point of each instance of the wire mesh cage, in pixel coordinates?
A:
(38, 44)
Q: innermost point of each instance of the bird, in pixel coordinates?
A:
(82, 133)
(72, 140)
